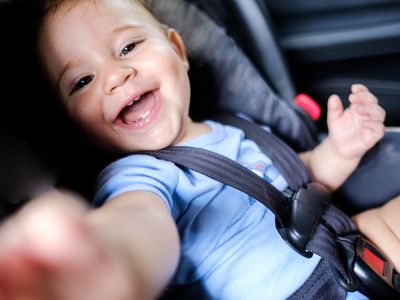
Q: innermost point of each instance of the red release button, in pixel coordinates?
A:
(375, 262)
(309, 105)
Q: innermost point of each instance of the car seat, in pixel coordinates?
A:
(249, 24)
(232, 84)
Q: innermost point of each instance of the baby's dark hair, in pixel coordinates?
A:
(49, 7)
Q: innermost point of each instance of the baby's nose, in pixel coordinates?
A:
(117, 76)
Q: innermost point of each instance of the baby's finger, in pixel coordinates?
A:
(372, 111)
(358, 88)
(335, 108)
(363, 98)
(42, 229)
(21, 277)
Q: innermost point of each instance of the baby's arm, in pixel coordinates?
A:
(352, 132)
(381, 226)
(55, 248)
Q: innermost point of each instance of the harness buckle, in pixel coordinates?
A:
(368, 270)
(304, 212)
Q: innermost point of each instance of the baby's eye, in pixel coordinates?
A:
(128, 48)
(81, 83)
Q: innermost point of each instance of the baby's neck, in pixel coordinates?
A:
(194, 130)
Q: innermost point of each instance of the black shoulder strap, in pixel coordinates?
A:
(285, 159)
(223, 169)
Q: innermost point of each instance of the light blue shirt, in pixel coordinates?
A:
(228, 240)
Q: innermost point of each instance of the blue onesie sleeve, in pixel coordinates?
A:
(137, 172)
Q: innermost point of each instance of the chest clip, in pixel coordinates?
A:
(304, 211)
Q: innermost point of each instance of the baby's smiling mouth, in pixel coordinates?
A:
(138, 111)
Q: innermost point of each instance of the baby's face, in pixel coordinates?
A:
(120, 74)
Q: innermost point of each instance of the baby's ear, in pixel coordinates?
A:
(177, 43)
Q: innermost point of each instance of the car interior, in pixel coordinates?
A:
(255, 51)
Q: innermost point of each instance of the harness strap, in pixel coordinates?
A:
(285, 159)
(334, 223)
(320, 285)
(223, 169)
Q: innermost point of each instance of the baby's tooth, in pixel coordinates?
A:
(134, 100)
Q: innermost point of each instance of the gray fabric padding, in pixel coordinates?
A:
(240, 86)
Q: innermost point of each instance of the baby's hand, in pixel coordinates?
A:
(353, 131)
(49, 252)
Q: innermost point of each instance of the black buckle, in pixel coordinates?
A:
(368, 270)
(305, 209)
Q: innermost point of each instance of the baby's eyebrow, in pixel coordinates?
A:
(125, 27)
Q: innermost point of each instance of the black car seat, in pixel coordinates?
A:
(248, 22)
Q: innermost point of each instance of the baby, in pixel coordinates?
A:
(122, 76)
